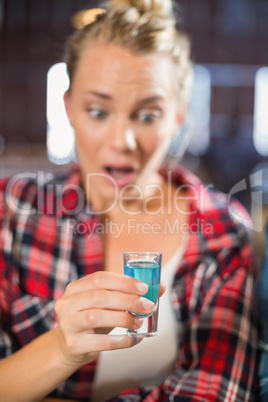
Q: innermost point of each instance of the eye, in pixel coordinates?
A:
(98, 113)
(149, 117)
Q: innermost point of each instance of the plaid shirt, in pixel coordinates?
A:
(263, 318)
(44, 246)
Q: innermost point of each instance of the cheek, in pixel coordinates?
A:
(82, 144)
(82, 139)
(85, 138)
(156, 149)
(86, 150)
(158, 141)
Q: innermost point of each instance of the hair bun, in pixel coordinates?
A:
(158, 7)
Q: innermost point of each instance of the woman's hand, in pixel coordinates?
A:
(91, 307)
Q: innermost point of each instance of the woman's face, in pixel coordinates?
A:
(124, 110)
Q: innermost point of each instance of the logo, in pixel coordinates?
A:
(255, 186)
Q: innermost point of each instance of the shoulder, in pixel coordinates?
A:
(219, 220)
(30, 193)
(20, 188)
(227, 222)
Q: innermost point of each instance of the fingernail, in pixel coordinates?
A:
(138, 321)
(138, 339)
(142, 287)
(148, 305)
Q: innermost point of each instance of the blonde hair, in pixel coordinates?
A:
(142, 26)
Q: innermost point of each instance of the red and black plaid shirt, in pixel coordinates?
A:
(44, 245)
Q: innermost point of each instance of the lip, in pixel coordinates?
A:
(125, 176)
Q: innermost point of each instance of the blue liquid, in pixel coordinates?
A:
(148, 272)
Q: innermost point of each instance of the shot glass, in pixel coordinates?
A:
(146, 267)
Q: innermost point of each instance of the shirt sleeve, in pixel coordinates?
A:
(262, 294)
(218, 342)
(7, 346)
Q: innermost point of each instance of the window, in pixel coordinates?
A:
(260, 130)
(199, 111)
(60, 135)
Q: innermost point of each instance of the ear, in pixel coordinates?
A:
(68, 106)
(181, 113)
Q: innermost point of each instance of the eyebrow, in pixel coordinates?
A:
(151, 99)
(99, 95)
(104, 96)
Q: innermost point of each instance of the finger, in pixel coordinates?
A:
(110, 342)
(96, 318)
(162, 289)
(108, 280)
(78, 346)
(108, 300)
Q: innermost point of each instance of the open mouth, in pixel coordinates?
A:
(118, 173)
(122, 175)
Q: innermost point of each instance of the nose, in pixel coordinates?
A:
(122, 136)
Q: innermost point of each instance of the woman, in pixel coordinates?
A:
(63, 240)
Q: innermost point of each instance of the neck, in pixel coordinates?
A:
(132, 199)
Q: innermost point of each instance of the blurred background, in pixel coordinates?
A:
(229, 112)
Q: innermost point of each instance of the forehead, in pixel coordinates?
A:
(108, 65)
